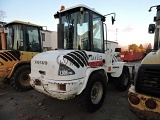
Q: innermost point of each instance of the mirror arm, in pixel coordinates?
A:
(111, 14)
(113, 18)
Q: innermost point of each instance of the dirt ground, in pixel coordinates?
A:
(32, 105)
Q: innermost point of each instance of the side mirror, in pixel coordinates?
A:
(151, 28)
(113, 19)
(117, 49)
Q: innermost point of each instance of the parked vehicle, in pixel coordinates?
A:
(144, 95)
(20, 41)
(83, 62)
(128, 56)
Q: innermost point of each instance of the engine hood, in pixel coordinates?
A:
(152, 58)
(65, 64)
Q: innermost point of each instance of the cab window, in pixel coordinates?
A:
(33, 44)
(97, 34)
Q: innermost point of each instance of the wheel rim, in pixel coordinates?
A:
(125, 79)
(25, 79)
(96, 92)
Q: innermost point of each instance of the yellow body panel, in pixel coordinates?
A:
(9, 61)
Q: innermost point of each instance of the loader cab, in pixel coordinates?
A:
(80, 28)
(23, 36)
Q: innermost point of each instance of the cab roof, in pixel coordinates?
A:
(22, 22)
(81, 5)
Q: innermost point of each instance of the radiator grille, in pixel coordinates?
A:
(148, 80)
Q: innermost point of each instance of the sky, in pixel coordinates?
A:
(132, 16)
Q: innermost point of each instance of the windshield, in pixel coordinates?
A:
(83, 30)
(76, 31)
(33, 39)
(14, 36)
(24, 38)
(98, 40)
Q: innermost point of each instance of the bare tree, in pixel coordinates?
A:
(2, 15)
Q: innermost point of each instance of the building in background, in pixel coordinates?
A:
(49, 39)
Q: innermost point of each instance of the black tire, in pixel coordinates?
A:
(122, 83)
(89, 99)
(6, 81)
(20, 80)
(110, 78)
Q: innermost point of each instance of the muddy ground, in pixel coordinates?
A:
(32, 105)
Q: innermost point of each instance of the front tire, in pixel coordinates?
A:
(92, 97)
(20, 79)
(122, 83)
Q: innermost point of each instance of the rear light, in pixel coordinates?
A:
(62, 87)
(109, 68)
(151, 104)
(134, 99)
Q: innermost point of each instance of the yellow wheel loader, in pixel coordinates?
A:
(20, 42)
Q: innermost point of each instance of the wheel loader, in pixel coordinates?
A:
(144, 94)
(83, 61)
(20, 42)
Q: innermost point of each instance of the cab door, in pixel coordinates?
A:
(33, 41)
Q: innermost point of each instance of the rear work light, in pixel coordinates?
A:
(109, 68)
(151, 104)
(134, 99)
(62, 87)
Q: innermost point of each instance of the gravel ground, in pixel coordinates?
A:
(32, 105)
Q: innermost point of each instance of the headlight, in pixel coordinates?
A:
(65, 70)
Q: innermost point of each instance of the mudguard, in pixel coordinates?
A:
(89, 71)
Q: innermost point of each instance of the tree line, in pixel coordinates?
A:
(140, 48)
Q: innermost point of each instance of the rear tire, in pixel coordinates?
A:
(92, 97)
(6, 81)
(20, 79)
(122, 83)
